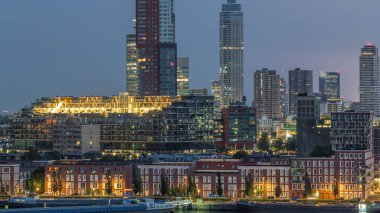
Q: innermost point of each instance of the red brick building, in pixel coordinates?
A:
(89, 178)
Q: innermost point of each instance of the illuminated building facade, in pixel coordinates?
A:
(231, 51)
(183, 76)
(127, 124)
(335, 105)
(369, 84)
(329, 85)
(132, 66)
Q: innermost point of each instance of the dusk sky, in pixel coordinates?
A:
(74, 48)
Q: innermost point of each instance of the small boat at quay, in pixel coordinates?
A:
(143, 205)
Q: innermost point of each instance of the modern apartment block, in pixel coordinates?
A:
(239, 127)
(352, 130)
(231, 52)
(300, 82)
(118, 124)
(369, 81)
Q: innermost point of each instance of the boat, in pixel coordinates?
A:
(152, 205)
(281, 206)
(24, 201)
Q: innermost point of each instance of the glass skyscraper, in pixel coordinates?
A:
(231, 53)
(370, 79)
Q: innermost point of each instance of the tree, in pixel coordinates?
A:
(108, 184)
(308, 191)
(219, 186)
(36, 182)
(322, 151)
(249, 191)
(191, 187)
(136, 180)
(164, 185)
(278, 145)
(241, 154)
(59, 181)
(335, 190)
(291, 145)
(54, 184)
(278, 190)
(263, 144)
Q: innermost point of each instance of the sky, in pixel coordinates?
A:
(77, 48)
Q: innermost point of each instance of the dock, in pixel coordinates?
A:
(79, 209)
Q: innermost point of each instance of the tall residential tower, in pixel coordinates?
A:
(157, 50)
(231, 49)
(369, 80)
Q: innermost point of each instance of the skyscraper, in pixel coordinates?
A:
(329, 85)
(132, 66)
(231, 51)
(215, 89)
(157, 50)
(183, 71)
(267, 94)
(369, 79)
(300, 82)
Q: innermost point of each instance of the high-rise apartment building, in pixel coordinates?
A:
(329, 85)
(157, 50)
(300, 82)
(369, 80)
(267, 94)
(231, 51)
(132, 66)
(183, 70)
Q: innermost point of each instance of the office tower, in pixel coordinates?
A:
(329, 85)
(132, 66)
(307, 119)
(283, 98)
(267, 94)
(183, 76)
(369, 80)
(300, 82)
(352, 130)
(231, 51)
(157, 50)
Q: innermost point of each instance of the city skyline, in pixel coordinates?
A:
(76, 66)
